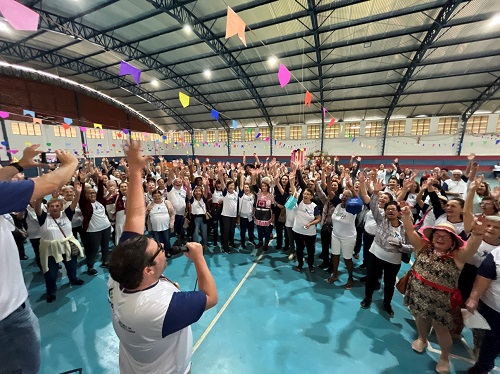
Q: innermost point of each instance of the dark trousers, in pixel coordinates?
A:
(326, 241)
(51, 274)
(78, 230)
(164, 238)
(308, 242)
(291, 238)
(490, 348)
(367, 243)
(264, 234)
(216, 221)
(375, 268)
(359, 239)
(35, 243)
(92, 242)
(466, 280)
(246, 225)
(229, 224)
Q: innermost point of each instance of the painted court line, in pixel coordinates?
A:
(434, 350)
(219, 314)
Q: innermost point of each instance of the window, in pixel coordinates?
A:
(154, 137)
(351, 130)
(222, 136)
(59, 131)
(420, 126)
(236, 135)
(296, 132)
(477, 125)
(313, 131)
(26, 128)
(448, 125)
(135, 135)
(167, 137)
(198, 137)
(396, 128)
(211, 136)
(373, 128)
(279, 133)
(178, 137)
(498, 126)
(249, 134)
(264, 133)
(114, 134)
(332, 131)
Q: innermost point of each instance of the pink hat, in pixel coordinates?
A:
(444, 226)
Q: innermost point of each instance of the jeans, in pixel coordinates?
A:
(490, 348)
(229, 224)
(200, 226)
(375, 268)
(308, 242)
(51, 274)
(164, 238)
(264, 234)
(92, 242)
(20, 342)
(246, 225)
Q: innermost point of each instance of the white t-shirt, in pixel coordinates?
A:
(13, 291)
(77, 220)
(290, 216)
(217, 197)
(304, 215)
(370, 223)
(51, 228)
(198, 207)
(230, 204)
(32, 222)
(381, 175)
(99, 220)
(491, 296)
(153, 326)
(247, 203)
(457, 187)
(178, 199)
(481, 253)
(159, 217)
(343, 223)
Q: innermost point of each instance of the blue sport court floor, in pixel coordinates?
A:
(269, 319)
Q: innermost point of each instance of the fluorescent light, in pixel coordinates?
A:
(313, 121)
(373, 118)
(352, 119)
(187, 29)
(4, 27)
(421, 116)
(272, 61)
(482, 112)
(398, 117)
(155, 82)
(207, 73)
(495, 20)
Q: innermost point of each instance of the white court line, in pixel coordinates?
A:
(434, 350)
(214, 321)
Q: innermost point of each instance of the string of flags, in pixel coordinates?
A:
(20, 17)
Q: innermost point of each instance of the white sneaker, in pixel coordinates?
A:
(291, 256)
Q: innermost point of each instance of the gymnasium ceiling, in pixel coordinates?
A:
(370, 60)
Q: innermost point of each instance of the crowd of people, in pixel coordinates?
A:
(446, 223)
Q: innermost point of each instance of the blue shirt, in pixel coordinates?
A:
(15, 195)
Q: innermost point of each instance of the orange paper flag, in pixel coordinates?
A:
(308, 99)
(65, 126)
(37, 120)
(235, 25)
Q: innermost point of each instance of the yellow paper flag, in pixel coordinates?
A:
(184, 99)
(235, 25)
(15, 159)
(97, 126)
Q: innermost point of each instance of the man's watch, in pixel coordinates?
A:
(17, 166)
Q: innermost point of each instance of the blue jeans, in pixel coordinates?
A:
(199, 225)
(164, 238)
(51, 275)
(20, 341)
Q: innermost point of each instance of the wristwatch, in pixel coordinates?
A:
(17, 166)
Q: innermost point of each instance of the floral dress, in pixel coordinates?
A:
(426, 301)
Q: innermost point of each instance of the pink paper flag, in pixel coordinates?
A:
(19, 16)
(83, 129)
(235, 25)
(13, 151)
(4, 114)
(126, 68)
(324, 112)
(308, 99)
(284, 75)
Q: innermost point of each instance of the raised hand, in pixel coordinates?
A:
(28, 154)
(471, 157)
(480, 225)
(378, 186)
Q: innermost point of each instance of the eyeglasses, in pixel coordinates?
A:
(160, 249)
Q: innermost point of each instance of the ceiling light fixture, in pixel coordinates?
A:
(207, 73)
(495, 20)
(4, 27)
(272, 61)
(155, 82)
(187, 29)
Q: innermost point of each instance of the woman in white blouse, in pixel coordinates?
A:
(198, 206)
(229, 212)
(57, 242)
(161, 217)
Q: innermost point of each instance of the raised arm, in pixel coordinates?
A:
(136, 209)
(416, 241)
(473, 243)
(78, 190)
(362, 189)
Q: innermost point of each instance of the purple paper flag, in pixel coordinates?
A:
(497, 142)
(258, 136)
(324, 112)
(125, 131)
(4, 114)
(19, 16)
(215, 115)
(283, 75)
(28, 113)
(83, 129)
(126, 68)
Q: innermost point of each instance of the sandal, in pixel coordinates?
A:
(311, 269)
(332, 279)
(349, 285)
(298, 268)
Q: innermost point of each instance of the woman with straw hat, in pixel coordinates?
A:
(432, 289)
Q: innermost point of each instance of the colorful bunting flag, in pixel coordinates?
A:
(37, 120)
(4, 114)
(65, 126)
(126, 69)
(69, 121)
(235, 26)
(125, 131)
(235, 124)
(332, 121)
(308, 99)
(83, 129)
(19, 16)
(324, 112)
(215, 115)
(97, 126)
(184, 99)
(28, 113)
(283, 75)
(258, 136)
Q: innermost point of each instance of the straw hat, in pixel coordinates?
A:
(444, 226)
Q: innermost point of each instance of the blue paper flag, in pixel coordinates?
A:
(215, 115)
(69, 121)
(28, 113)
(235, 124)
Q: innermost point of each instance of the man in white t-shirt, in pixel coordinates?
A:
(150, 316)
(455, 186)
(19, 329)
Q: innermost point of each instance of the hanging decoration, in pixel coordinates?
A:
(184, 99)
(128, 69)
(19, 16)
(235, 26)
(283, 75)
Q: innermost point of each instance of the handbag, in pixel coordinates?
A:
(75, 250)
(263, 214)
(403, 282)
(282, 216)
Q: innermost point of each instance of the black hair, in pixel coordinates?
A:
(394, 178)
(391, 198)
(395, 203)
(128, 260)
